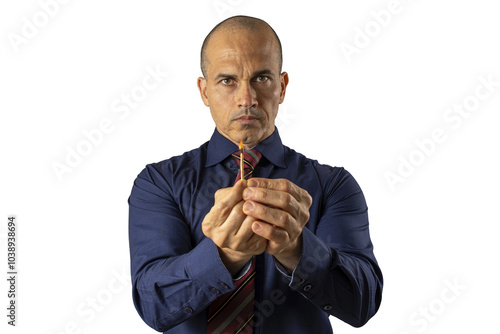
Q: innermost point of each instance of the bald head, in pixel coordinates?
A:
(235, 24)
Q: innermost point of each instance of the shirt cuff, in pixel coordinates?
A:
(282, 269)
(243, 271)
(207, 270)
(313, 266)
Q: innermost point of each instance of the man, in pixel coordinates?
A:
(300, 228)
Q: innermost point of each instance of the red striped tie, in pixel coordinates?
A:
(232, 312)
(250, 159)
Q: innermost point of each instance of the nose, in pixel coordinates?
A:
(247, 97)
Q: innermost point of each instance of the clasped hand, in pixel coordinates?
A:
(255, 216)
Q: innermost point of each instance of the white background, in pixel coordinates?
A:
(436, 227)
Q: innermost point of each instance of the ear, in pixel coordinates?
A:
(284, 83)
(202, 86)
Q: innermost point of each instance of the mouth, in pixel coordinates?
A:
(247, 119)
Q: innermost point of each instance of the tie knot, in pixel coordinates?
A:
(250, 159)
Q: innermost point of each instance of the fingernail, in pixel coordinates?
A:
(252, 183)
(247, 192)
(256, 226)
(248, 206)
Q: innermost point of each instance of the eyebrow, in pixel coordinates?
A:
(254, 74)
(263, 72)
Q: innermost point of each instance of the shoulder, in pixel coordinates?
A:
(331, 178)
(168, 168)
(295, 158)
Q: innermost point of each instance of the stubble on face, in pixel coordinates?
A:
(243, 85)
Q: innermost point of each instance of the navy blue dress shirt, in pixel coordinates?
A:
(176, 270)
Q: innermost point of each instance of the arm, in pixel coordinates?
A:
(336, 270)
(348, 282)
(172, 278)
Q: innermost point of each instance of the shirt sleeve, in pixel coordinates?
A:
(172, 279)
(338, 271)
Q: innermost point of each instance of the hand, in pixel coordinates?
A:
(281, 210)
(231, 230)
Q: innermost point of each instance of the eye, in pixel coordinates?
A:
(227, 81)
(261, 78)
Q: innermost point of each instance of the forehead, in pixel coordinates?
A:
(242, 49)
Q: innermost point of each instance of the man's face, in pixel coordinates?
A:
(243, 86)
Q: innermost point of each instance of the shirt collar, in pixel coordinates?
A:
(219, 148)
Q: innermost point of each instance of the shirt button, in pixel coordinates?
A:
(214, 290)
(188, 309)
(327, 308)
(302, 281)
(307, 287)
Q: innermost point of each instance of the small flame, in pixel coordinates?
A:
(240, 146)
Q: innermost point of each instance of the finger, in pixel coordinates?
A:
(231, 192)
(272, 216)
(247, 236)
(217, 224)
(226, 199)
(234, 220)
(224, 235)
(284, 185)
(245, 240)
(256, 244)
(245, 229)
(274, 198)
(271, 233)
